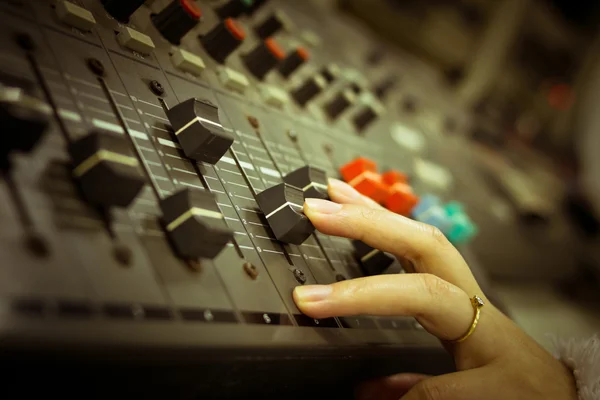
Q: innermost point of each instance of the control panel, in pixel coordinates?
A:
(155, 160)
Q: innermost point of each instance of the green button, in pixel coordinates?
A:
(247, 3)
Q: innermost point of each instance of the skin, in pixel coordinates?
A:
(498, 361)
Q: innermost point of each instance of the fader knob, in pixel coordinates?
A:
(223, 39)
(356, 167)
(282, 205)
(272, 24)
(292, 62)
(194, 224)
(177, 19)
(108, 172)
(312, 181)
(372, 261)
(234, 8)
(401, 199)
(392, 177)
(121, 10)
(308, 90)
(24, 121)
(199, 131)
(263, 58)
(364, 118)
(340, 103)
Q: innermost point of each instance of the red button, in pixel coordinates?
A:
(356, 167)
(370, 184)
(392, 176)
(401, 199)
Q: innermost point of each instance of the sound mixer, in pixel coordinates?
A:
(194, 224)
(263, 58)
(108, 172)
(121, 10)
(223, 39)
(282, 205)
(372, 261)
(199, 131)
(312, 181)
(177, 19)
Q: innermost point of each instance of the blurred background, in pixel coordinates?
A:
(505, 95)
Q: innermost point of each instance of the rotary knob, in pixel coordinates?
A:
(372, 261)
(121, 10)
(24, 118)
(312, 181)
(223, 39)
(310, 89)
(234, 8)
(177, 19)
(340, 103)
(108, 172)
(194, 224)
(282, 205)
(292, 62)
(263, 58)
(274, 23)
(199, 131)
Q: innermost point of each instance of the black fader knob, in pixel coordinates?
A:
(330, 72)
(364, 118)
(372, 261)
(282, 205)
(308, 90)
(263, 58)
(312, 181)
(24, 121)
(177, 19)
(108, 172)
(223, 39)
(199, 131)
(292, 62)
(272, 24)
(121, 10)
(234, 8)
(194, 224)
(340, 103)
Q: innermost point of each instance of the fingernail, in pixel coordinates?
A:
(312, 293)
(343, 189)
(322, 206)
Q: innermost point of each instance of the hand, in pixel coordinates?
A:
(498, 361)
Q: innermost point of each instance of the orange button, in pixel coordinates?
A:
(392, 176)
(370, 184)
(356, 167)
(401, 199)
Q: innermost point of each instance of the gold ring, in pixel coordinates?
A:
(477, 304)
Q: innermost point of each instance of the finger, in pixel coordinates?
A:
(441, 308)
(342, 193)
(388, 388)
(425, 246)
(467, 385)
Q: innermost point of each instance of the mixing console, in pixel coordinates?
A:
(155, 156)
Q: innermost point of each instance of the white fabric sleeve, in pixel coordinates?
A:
(582, 357)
